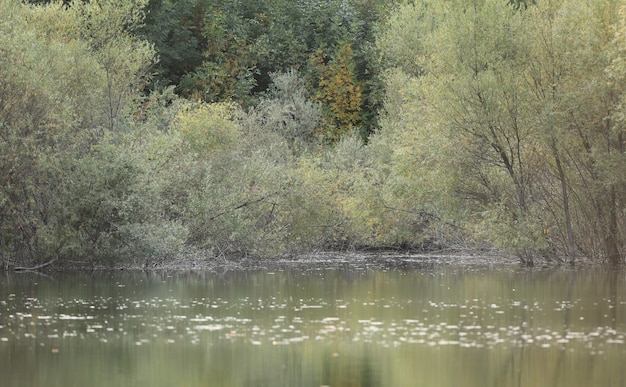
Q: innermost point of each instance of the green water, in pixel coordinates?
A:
(423, 325)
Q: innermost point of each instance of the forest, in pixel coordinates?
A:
(135, 132)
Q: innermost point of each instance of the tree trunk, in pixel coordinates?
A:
(610, 242)
(571, 248)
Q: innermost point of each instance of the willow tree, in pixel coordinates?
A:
(573, 100)
(108, 27)
(58, 91)
(47, 86)
(474, 87)
(525, 103)
(574, 96)
(546, 77)
(615, 141)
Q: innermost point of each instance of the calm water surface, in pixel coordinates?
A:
(423, 325)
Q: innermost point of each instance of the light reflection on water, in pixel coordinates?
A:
(346, 326)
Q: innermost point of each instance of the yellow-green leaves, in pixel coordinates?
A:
(340, 92)
(207, 128)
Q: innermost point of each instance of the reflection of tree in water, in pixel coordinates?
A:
(582, 308)
(369, 376)
(516, 367)
(351, 370)
(613, 297)
(559, 368)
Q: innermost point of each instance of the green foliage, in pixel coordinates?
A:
(108, 210)
(287, 110)
(56, 92)
(44, 118)
(413, 190)
(175, 29)
(403, 37)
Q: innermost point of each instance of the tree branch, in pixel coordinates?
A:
(34, 268)
(245, 204)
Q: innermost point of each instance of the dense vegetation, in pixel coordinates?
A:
(136, 131)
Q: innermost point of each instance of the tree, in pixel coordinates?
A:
(61, 83)
(615, 144)
(289, 110)
(573, 102)
(108, 26)
(340, 92)
(176, 30)
(48, 88)
(524, 100)
(474, 85)
(227, 50)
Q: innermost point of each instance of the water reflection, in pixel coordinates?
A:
(347, 326)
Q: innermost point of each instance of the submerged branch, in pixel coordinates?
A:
(35, 268)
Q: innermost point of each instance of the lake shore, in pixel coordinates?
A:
(386, 259)
(191, 262)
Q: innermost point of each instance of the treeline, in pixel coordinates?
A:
(137, 131)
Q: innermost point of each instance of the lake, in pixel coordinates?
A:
(333, 324)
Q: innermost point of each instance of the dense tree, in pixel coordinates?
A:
(65, 83)
(227, 50)
(522, 104)
(108, 28)
(288, 109)
(134, 131)
(44, 116)
(175, 29)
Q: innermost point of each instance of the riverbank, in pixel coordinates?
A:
(199, 262)
(391, 259)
